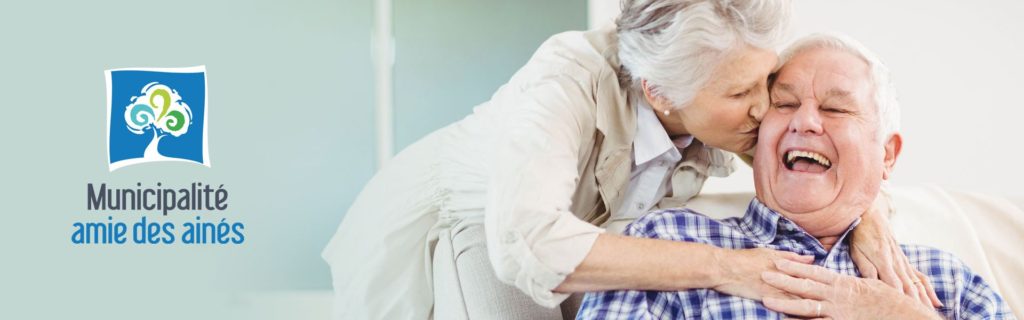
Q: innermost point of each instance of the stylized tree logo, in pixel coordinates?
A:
(161, 110)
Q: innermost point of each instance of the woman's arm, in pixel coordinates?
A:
(533, 239)
(621, 262)
(536, 244)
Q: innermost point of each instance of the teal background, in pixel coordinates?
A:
(451, 55)
(291, 135)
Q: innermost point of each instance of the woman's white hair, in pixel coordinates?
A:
(675, 45)
(884, 91)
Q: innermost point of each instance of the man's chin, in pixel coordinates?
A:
(800, 203)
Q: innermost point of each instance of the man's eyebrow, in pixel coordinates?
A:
(836, 92)
(784, 87)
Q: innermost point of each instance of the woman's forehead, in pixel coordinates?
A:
(745, 67)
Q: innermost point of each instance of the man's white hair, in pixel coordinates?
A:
(676, 44)
(884, 91)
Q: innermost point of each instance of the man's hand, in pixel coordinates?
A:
(823, 293)
(878, 256)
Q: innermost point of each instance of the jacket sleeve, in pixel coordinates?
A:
(533, 239)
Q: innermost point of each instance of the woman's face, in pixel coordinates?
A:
(726, 112)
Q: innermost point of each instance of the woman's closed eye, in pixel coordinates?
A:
(742, 94)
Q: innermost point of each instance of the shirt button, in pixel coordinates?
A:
(639, 206)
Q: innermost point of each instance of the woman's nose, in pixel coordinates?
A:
(806, 119)
(760, 105)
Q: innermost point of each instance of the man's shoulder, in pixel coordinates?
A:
(961, 289)
(681, 224)
(932, 260)
(938, 264)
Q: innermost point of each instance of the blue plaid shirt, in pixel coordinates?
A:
(964, 294)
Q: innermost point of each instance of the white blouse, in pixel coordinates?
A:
(654, 157)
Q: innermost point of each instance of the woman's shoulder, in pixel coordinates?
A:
(580, 55)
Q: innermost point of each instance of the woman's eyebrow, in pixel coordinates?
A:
(745, 86)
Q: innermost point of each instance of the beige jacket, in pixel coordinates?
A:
(564, 158)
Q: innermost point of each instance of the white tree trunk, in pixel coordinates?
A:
(151, 150)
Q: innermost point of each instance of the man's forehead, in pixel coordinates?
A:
(837, 91)
(823, 71)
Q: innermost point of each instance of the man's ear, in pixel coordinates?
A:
(892, 151)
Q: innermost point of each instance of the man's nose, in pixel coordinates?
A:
(806, 119)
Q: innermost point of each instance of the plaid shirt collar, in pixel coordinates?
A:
(767, 226)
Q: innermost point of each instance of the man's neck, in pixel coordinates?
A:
(828, 242)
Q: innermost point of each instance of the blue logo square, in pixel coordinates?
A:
(156, 114)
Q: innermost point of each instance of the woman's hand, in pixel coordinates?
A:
(739, 271)
(878, 256)
(823, 293)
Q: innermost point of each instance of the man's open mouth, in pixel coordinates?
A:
(806, 161)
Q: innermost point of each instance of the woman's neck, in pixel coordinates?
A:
(673, 124)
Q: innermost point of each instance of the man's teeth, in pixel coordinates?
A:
(821, 159)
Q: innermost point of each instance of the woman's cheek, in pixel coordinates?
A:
(731, 112)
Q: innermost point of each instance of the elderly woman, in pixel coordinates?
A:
(595, 130)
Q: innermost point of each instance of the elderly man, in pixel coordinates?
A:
(824, 149)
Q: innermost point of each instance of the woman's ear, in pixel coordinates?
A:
(892, 151)
(647, 92)
(659, 103)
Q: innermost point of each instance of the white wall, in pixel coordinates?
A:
(959, 70)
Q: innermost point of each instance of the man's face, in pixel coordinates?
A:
(819, 161)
